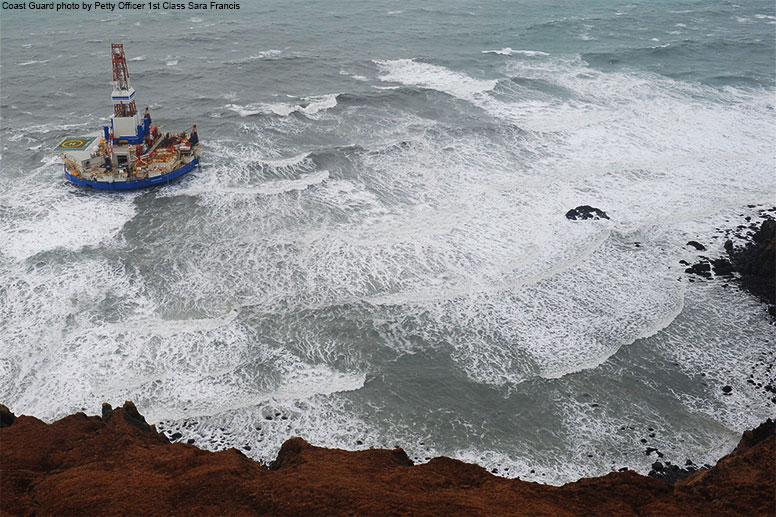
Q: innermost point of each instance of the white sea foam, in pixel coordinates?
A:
(33, 62)
(272, 188)
(265, 54)
(510, 52)
(54, 218)
(290, 162)
(412, 72)
(267, 287)
(357, 77)
(310, 106)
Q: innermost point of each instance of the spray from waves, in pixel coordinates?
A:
(309, 107)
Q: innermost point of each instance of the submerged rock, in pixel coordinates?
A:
(584, 212)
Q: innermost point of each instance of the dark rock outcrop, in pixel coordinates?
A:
(584, 212)
(752, 265)
(756, 262)
(671, 473)
(702, 268)
(6, 417)
(722, 267)
(94, 466)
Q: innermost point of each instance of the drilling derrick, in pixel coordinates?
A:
(123, 93)
(125, 124)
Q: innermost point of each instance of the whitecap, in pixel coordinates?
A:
(265, 54)
(33, 62)
(309, 106)
(436, 77)
(510, 52)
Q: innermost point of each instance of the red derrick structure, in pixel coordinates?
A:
(121, 81)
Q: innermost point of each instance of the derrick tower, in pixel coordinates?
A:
(125, 124)
(123, 96)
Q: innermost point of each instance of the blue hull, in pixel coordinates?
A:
(134, 184)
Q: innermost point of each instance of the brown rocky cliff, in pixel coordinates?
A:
(117, 464)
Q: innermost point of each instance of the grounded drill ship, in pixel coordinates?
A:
(130, 153)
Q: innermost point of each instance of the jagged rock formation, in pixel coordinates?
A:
(586, 212)
(756, 262)
(117, 464)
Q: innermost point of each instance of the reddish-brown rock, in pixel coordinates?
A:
(119, 465)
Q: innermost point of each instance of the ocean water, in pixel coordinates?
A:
(374, 252)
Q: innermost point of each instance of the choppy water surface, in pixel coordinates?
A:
(375, 251)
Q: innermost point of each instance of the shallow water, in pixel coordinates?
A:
(375, 252)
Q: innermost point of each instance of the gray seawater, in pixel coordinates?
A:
(375, 252)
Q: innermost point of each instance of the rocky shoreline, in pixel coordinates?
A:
(117, 464)
(751, 262)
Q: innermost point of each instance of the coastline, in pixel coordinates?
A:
(117, 464)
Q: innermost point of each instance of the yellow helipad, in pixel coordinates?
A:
(74, 143)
